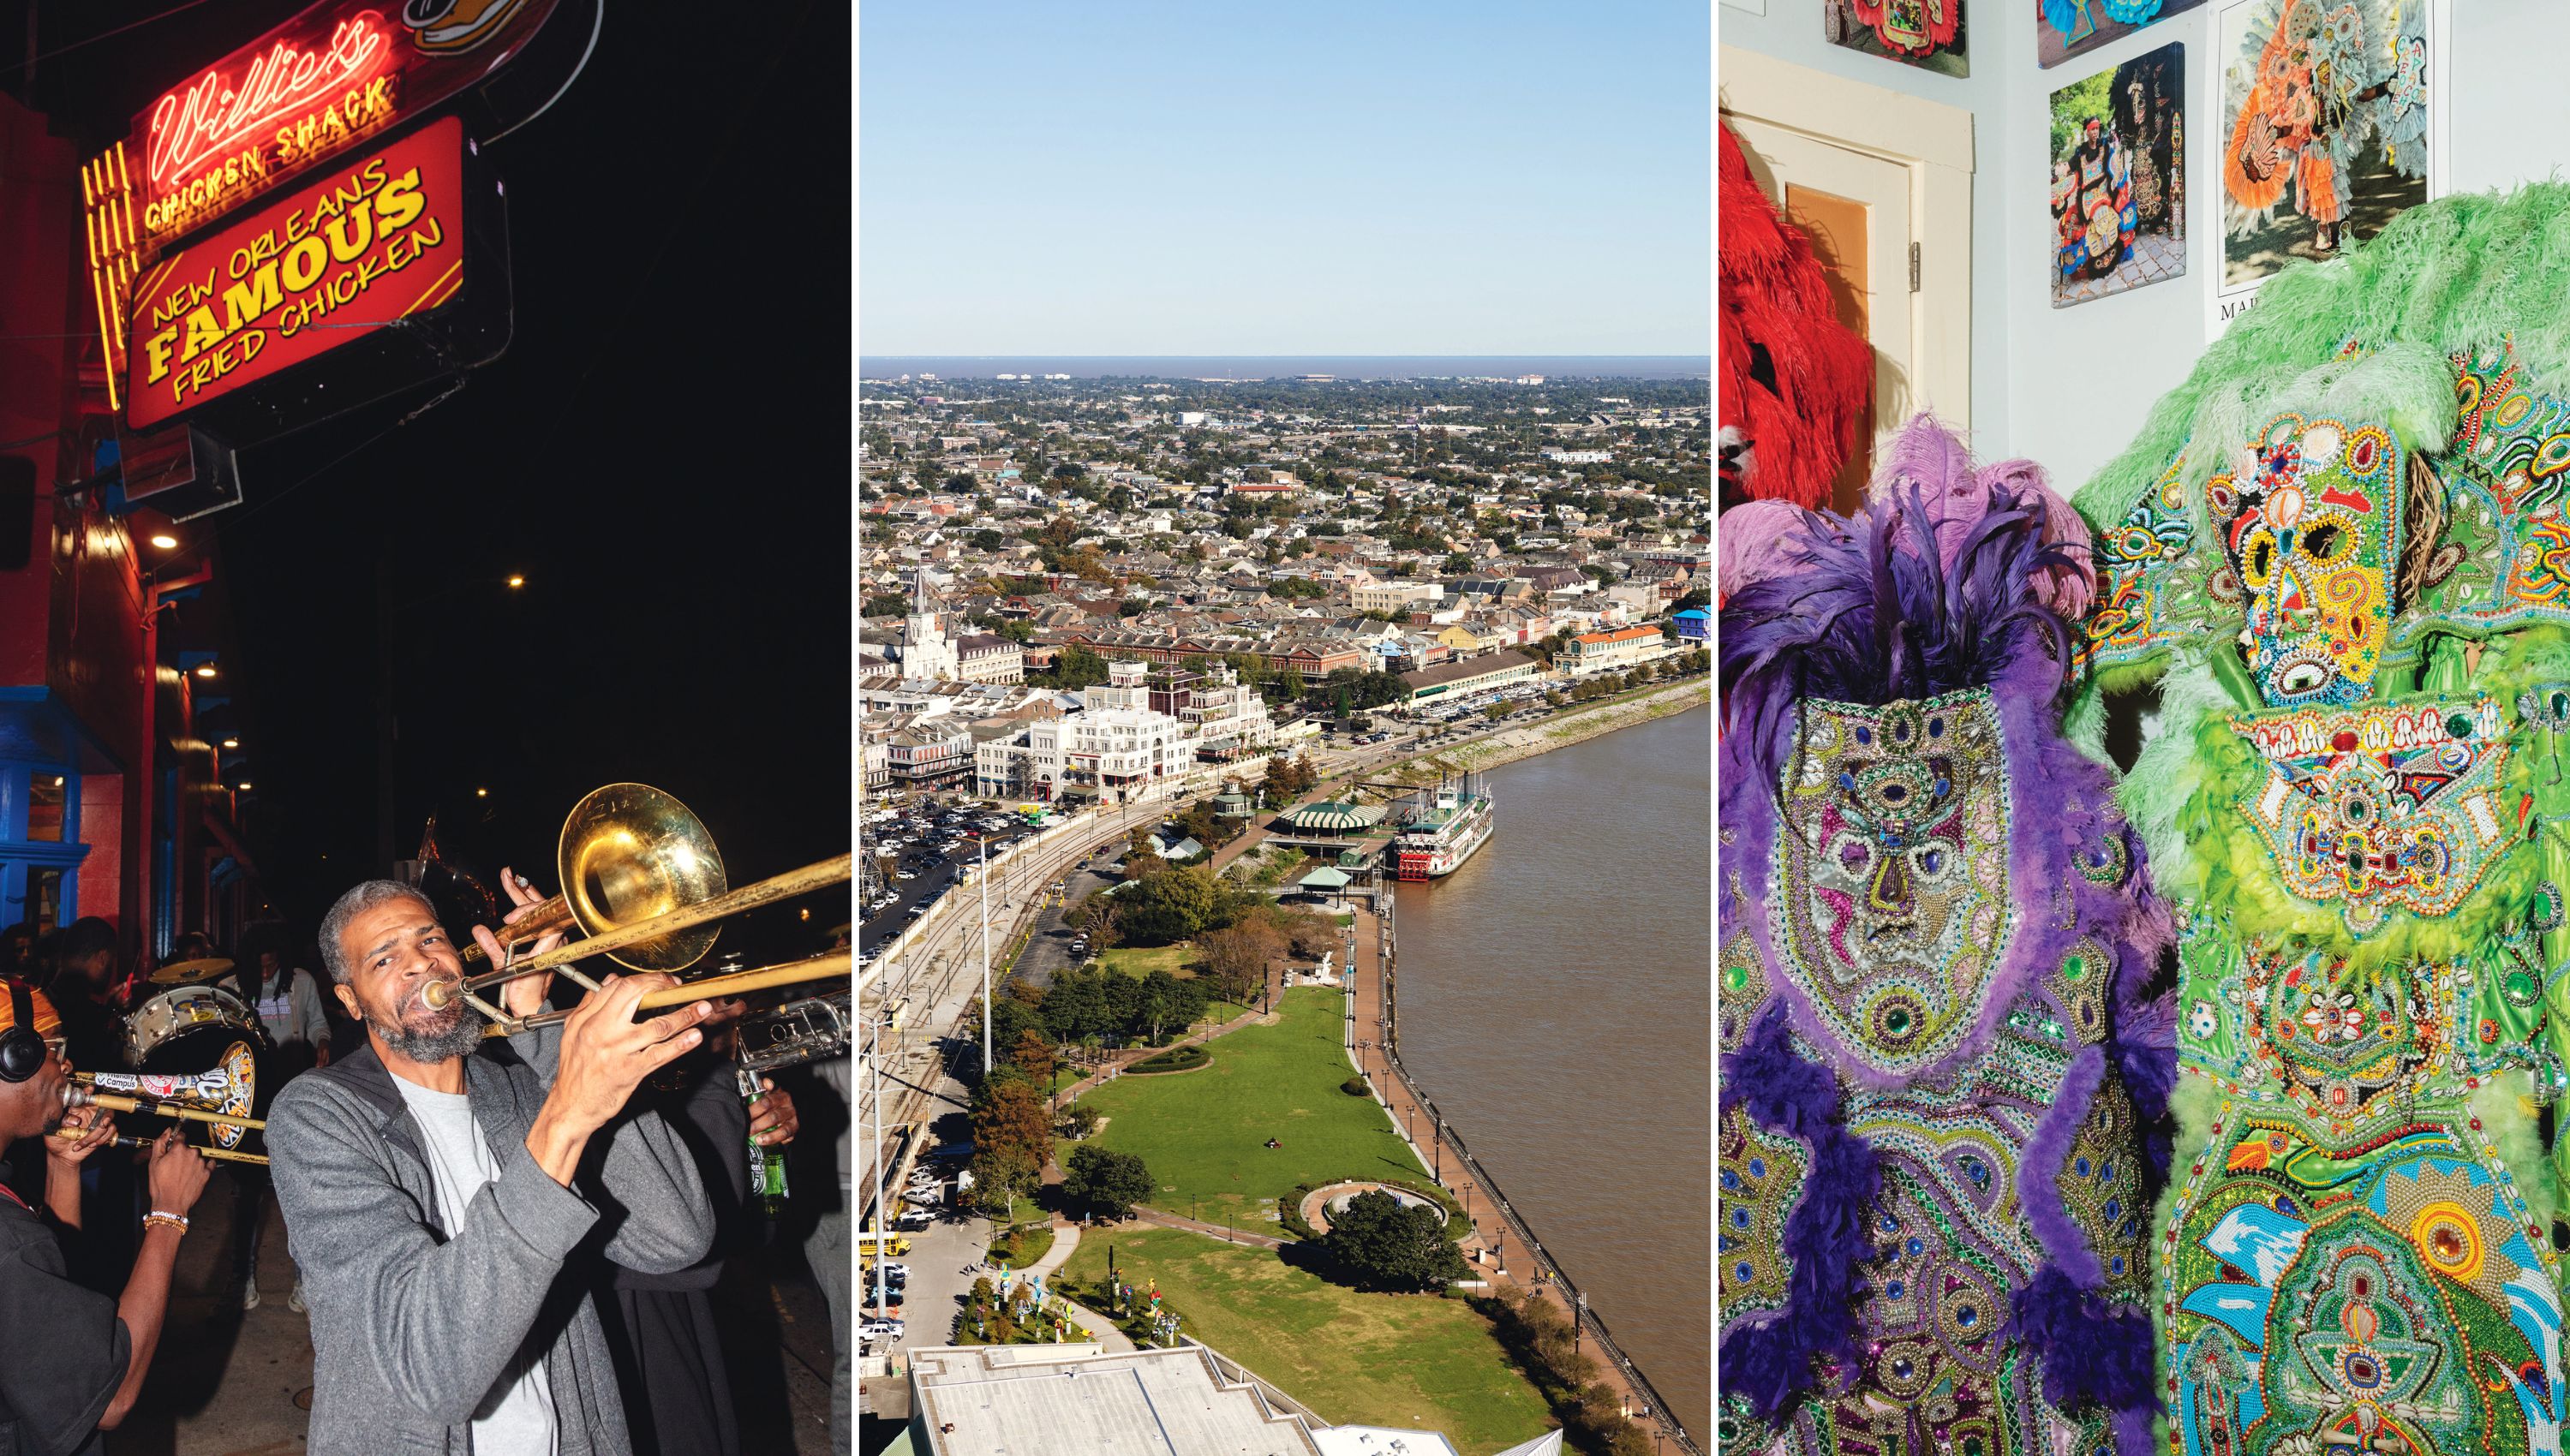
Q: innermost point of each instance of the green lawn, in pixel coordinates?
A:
(1205, 1135)
(1142, 960)
(1407, 1360)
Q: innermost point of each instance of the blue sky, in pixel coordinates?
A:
(1306, 177)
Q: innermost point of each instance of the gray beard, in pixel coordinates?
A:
(432, 1046)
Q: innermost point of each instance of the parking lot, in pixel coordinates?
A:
(935, 842)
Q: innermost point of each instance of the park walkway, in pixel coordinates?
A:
(1211, 1231)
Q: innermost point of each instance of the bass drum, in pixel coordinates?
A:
(201, 1043)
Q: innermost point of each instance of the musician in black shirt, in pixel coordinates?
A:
(72, 1361)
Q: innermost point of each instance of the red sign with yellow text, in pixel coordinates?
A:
(334, 75)
(378, 238)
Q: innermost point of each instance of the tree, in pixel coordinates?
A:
(1107, 1182)
(1176, 904)
(1102, 929)
(1458, 563)
(1010, 1122)
(1034, 1056)
(1381, 1244)
(886, 603)
(1237, 959)
(987, 540)
(1494, 711)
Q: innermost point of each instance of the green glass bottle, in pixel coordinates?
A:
(766, 1164)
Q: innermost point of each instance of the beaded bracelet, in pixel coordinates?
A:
(174, 1221)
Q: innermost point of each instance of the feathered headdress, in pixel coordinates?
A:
(1794, 379)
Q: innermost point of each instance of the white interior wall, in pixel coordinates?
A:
(1790, 31)
(2069, 387)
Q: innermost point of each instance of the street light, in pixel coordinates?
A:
(481, 793)
(232, 743)
(164, 541)
(516, 581)
(205, 669)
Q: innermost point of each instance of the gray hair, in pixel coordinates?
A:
(365, 896)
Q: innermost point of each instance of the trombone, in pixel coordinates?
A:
(642, 884)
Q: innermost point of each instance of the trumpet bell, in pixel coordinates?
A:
(631, 853)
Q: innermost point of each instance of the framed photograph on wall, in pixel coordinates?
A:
(1928, 33)
(2067, 28)
(2118, 195)
(2330, 125)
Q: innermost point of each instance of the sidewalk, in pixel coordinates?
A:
(1496, 1252)
(1210, 1231)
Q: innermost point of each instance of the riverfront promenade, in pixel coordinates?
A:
(1501, 1249)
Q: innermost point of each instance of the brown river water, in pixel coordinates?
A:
(1556, 1003)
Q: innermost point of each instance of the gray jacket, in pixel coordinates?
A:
(413, 1323)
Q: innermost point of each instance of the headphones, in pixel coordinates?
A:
(22, 1051)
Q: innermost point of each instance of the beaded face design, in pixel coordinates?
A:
(2381, 807)
(2310, 515)
(1894, 839)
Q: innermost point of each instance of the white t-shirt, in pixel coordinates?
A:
(517, 1417)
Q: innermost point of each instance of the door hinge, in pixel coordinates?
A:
(1914, 267)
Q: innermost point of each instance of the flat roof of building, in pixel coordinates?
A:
(1028, 1400)
(1466, 667)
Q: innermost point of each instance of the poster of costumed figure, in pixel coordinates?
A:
(1929, 33)
(2326, 116)
(2334, 595)
(2120, 178)
(2067, 28)
(1940, 1061)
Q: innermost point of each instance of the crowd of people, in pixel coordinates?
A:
(507, 1244)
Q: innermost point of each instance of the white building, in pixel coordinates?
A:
(1393, 596)
(1579, 457)
(1117, 748)
(926, 655)
(1617, 651)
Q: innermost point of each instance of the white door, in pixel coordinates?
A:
(1886, 179)
(1857, 208)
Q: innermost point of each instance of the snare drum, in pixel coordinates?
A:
(202, 1033)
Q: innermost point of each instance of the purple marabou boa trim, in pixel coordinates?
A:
(2090, 1353)
(2036, 1190)
(1772, 1360)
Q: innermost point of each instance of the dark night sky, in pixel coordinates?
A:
(663, 452)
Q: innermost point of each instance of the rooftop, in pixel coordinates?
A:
(1028, 1400)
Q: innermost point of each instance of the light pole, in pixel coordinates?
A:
(985, 955)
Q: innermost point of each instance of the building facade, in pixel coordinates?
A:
(987, 657)
(1469, 676)
(1617, 651)
(117, 796)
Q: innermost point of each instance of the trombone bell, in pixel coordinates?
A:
(631, 853)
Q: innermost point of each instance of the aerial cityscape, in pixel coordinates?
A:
(1284, 739)
(1176, 696)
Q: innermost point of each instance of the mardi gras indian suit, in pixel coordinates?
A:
(2339, 552)
(1936, 1193)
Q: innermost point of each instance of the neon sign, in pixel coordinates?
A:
(215, 115)
(374, 239)
(330, 79)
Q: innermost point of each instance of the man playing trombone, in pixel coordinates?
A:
(433, 1196)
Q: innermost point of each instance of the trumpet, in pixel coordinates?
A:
(121, 1140)
(225, 1093)
(79, 1095)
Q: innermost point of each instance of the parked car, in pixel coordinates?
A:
(880, 1330)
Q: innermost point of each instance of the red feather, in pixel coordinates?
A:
(1775, 298)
